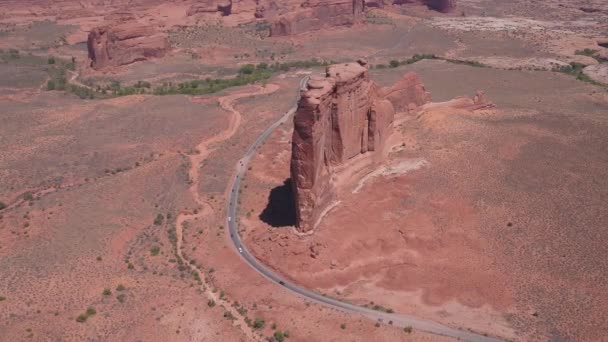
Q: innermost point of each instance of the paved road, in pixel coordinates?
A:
(397, 319)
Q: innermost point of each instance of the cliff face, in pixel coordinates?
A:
(342, 118)
(298, 16)
(122, 44)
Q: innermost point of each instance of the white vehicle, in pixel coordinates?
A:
(229, 218)
(240, 250)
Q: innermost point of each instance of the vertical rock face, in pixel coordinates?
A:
(342, 118)
(316, 14)
(443, 6)
(125, 44)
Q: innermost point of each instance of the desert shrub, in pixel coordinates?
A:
(408, 329)
(279, 336)
(120, 287)
(469, 63)
(50, 85)
(2, 205)
(107, 292)
(343, 326)
(394, 63)
(155, 250)
(210, 303)
(159, 219)
(121, 298)
(258, 323)
(91, 311)
(51, 60)
(81, 318)
(2, 298)
(247, 69)
(28, 196)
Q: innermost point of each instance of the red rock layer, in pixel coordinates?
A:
(125, 43)
(340, 117)
(298, 16)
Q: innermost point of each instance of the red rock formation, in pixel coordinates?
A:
(124, 44)
(211, 6)
(316, 14)
(408, 93)
(443, 6)
(342, 118)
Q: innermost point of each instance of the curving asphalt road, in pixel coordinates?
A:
(382, 317)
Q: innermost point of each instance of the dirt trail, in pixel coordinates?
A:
(203, 150)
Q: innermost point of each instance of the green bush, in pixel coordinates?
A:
(247, 69)
(279, 336)
(258, 323)
(28, 196)
(159, 219)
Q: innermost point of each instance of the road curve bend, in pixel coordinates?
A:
(382, 317)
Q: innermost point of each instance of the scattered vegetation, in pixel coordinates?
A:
(374, 17)
(408, 329)
(258, 323)
(120, 287)
(2, 205)
(83, 317)
(593, 54)
(159, 219)
(121, 297)
(107, 292)
(155, 250)
(576, 70)
(247, 74)
(343, 326)
(419, 57)
(210, 303)
(280, 336)
(2, 298)
(28, 196)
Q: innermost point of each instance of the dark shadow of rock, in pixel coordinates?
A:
(280, 210)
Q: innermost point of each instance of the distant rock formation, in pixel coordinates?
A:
(342, 125)
(125, 43)
(298, 16)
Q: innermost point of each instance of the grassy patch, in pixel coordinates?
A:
(576, 70)
(591, 53)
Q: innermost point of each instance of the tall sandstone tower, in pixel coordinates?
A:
(343, 121)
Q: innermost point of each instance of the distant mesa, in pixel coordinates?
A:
(341, 129)
(125, 43)
(299, 16)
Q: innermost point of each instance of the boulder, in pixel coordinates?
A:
(125, 43)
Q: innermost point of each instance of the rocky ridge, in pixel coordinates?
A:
(125, 43)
